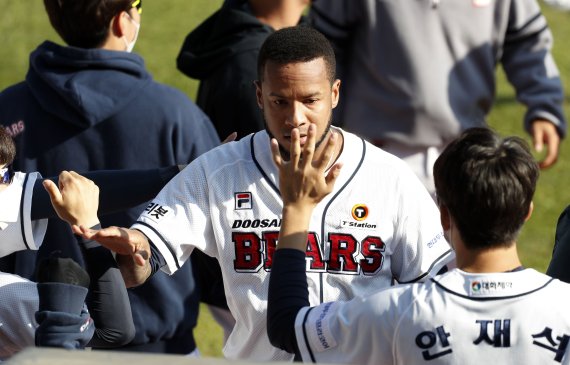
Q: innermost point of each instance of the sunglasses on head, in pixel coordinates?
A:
(137, 4)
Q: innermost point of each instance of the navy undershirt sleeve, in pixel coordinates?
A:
(118, 189)
(288, 293)
(156, 261)
(107, 299)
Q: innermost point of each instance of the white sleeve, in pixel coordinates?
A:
(359, 331)
(178, 219)
(421, 249)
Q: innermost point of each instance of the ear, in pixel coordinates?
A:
(118, 24)
(259, 94)
(444, 217)
(530, 210)
(335, 92)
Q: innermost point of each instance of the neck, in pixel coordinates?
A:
(278, 13)
(500, 259)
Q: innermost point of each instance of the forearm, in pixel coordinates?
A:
(108, 301)
(288, 293)
(133, 274)
(295, 227)
(119, 189)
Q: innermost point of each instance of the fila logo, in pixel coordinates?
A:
(360, 212)
(243, 201)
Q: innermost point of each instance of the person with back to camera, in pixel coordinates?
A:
(490, 309)
(227, 204)
(417, 73)
(92, 105)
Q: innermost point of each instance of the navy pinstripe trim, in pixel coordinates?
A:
(428, 270)
(330, 202)
(22, 217)
(486, 299)
(163, 241)
(259, 167)
(305, 336)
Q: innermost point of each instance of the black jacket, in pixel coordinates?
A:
(222, 53)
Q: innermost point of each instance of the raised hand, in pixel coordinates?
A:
(302, 179)
(75, 199)
(303, 184)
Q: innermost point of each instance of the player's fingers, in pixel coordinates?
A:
(53, 192)
(276, 153)
(295, 149)
(552, 153)
(332, 175)
(328, 151)
(538, 139)
(309, 147)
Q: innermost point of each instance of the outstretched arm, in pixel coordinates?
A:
(75, 199)
(119, 189)
(303, 184)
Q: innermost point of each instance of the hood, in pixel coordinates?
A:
(84, 86)
(229, 31)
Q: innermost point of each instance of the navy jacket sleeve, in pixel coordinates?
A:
(62, 318)
(288, 293)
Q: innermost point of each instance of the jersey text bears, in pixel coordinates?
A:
(254, 252)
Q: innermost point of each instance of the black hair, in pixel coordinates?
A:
(84, 23)
(487, 184)
(296, 44)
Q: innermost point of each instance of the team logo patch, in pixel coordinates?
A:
(243, 201)
(489, 287)
(156, 212)
(359, 212)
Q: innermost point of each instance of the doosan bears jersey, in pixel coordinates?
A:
(456, 318)
(378, 224)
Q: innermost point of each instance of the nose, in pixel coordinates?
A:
(296, 117)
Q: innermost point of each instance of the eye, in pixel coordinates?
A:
(279, 102)
(311, 101)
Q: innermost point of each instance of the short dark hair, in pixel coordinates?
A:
(487, 184)
(7, 148)
(296, 44)
(84, 23)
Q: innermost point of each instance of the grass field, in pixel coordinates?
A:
(23, 25)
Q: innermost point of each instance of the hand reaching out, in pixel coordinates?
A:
(75, 198)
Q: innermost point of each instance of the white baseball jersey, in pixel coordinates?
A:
(18, 305)
(17, 230)
(379, 223)
(456, 318)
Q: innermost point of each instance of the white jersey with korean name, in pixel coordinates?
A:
(379, 223)
(456, 318)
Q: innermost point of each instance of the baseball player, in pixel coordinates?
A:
(488, 310)
(378, 224)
